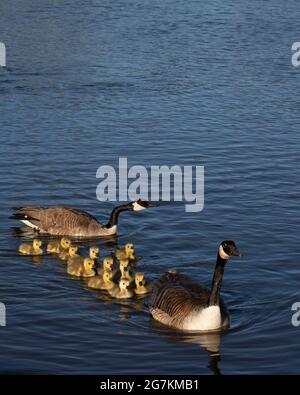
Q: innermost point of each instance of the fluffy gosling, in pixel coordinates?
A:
(141, 286)
(70, 253)
(123, 272)
(102, 282)
(126, 253)
(122, 291)
(93, 254)
(107, 265)
(33, 248)
(82, 269)
(57, 246)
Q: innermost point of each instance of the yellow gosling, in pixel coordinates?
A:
(102, 282)
(124, 271)
(122, 291)
(70, 253)
(126, 253)
(33, 248)
(93, 254)
(107, 265)
(84, 269)
(141, 286)
(56, 246)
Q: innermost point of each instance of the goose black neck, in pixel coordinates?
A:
(214, 299)
(113, 219)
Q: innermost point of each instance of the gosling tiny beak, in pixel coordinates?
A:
(140, 283)
(126, 268)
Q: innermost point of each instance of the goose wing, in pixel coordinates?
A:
(57, 219)
(177, 295)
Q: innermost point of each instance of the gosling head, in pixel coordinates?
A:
(124, 265)
(124, 284)
(129, 250)
(139, 279)
(37, 243)
(108, 263)
(73, 251)
(65, 243)
(94, 252)
(228, 249)
(88, 264)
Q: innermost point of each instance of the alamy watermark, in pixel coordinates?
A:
(296, 316)
(296, 54)
(2, 55)
(2, 314)
(158, 183)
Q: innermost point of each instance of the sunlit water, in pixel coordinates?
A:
(202, 83)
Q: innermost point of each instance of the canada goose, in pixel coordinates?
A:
(122, 291)
(106, 266)
(93, 254)
(123, 272)
(179, 302)
(102, 282)
(84, 269)
(141, 287)
(70, 253)
(58, 246)
(58, 220)
(33, 248)
(126, 253)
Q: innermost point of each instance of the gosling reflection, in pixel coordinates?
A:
(37, 260)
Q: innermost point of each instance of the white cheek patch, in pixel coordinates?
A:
(137, 207)
(222, 253)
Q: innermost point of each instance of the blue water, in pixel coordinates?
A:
(187, 83)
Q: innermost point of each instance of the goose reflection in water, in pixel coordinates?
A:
(209, 341)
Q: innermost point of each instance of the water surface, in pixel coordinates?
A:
(201, 83)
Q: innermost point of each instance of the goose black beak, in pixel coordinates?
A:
(146, 204)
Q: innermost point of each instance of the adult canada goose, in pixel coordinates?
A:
(122, 291)
(179, 302)
(58, 220)
(33, 248)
